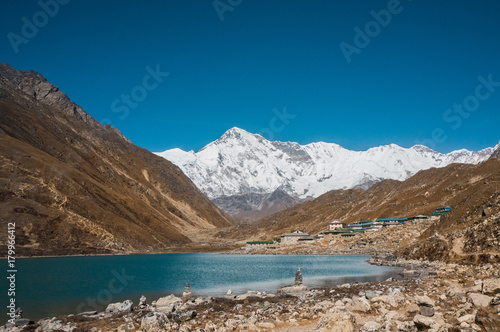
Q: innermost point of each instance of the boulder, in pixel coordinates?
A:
(423, 321)
(491, 286)
(184, 316)
(210, 327)
(424, 300)
(87, 313)
(495, 300)
(395, 298)
(370, 294)
(426, 311)
(425, 305)
(23, 321)
(231, 324)
(467, 319)
(292, 290)
(155, 322)
(392, 315)
(371, 327)
(119, 306)
(480, 300)
(230, 295)
(266, 325)
(168, 303)
(360, 304)
(337, 321)
(406, 326)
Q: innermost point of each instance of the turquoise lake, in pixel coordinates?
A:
(47, 287)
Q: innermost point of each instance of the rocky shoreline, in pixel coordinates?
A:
(432, 296)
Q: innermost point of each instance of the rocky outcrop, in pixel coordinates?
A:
(155, 322)
(337, 320)
(254, 206)
(120, 306)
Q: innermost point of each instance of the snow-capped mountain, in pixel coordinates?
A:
(239, 163)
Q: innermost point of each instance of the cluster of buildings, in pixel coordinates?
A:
(337, 228)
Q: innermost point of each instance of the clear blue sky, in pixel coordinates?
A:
(267, 55)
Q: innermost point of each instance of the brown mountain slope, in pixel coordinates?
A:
(470, 232)
(74, 186)
(468, 188)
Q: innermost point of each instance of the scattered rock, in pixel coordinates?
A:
(53, 324)
(87, 313)
(406, 326)
(424, 300)
(371, 327)
(426, 311)
(120, 306)
(266, 325)
(130, 327)
(480, 300)
(370, 294)
(335, 320)
(423, 321)
(425, 305)
(168, 303)
(467, 319)
(155, 322)
(491, 286)
(360, 304)
(184, 316)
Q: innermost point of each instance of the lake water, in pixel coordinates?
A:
(47, 287)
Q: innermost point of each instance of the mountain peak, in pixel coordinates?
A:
(422, 148)
(236, 132)
(240, 163)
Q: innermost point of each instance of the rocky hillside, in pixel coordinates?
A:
(470, 232)
(73, 186)
(472, 190)
(254, 206)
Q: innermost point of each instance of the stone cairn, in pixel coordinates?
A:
(187, 293)
(298, 278)
(142, 303)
